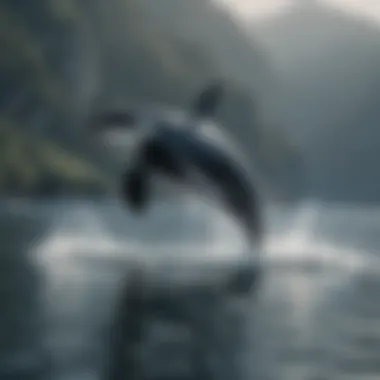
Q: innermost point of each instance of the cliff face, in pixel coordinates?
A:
(60, 59)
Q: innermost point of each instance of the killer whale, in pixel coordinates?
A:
(176, 148)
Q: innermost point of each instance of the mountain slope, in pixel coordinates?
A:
(330, 67)
(62, 59)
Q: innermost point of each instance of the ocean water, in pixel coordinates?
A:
(314, 316)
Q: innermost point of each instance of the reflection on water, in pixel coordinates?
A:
(316, 315)
(21, 317)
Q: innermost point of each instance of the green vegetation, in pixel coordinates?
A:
(40, 165)
(58, 56)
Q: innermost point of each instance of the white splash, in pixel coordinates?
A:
(83, 233)
(300, 243)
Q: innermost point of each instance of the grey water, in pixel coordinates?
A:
(63, 265)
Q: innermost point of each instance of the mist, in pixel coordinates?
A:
(327, 59)
(90, 289)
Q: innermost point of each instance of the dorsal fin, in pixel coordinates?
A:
(208, 101)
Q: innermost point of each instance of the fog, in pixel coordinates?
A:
(301, 91)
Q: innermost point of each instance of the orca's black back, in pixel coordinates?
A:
(230, 176)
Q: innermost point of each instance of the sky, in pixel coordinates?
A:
(250, 10)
